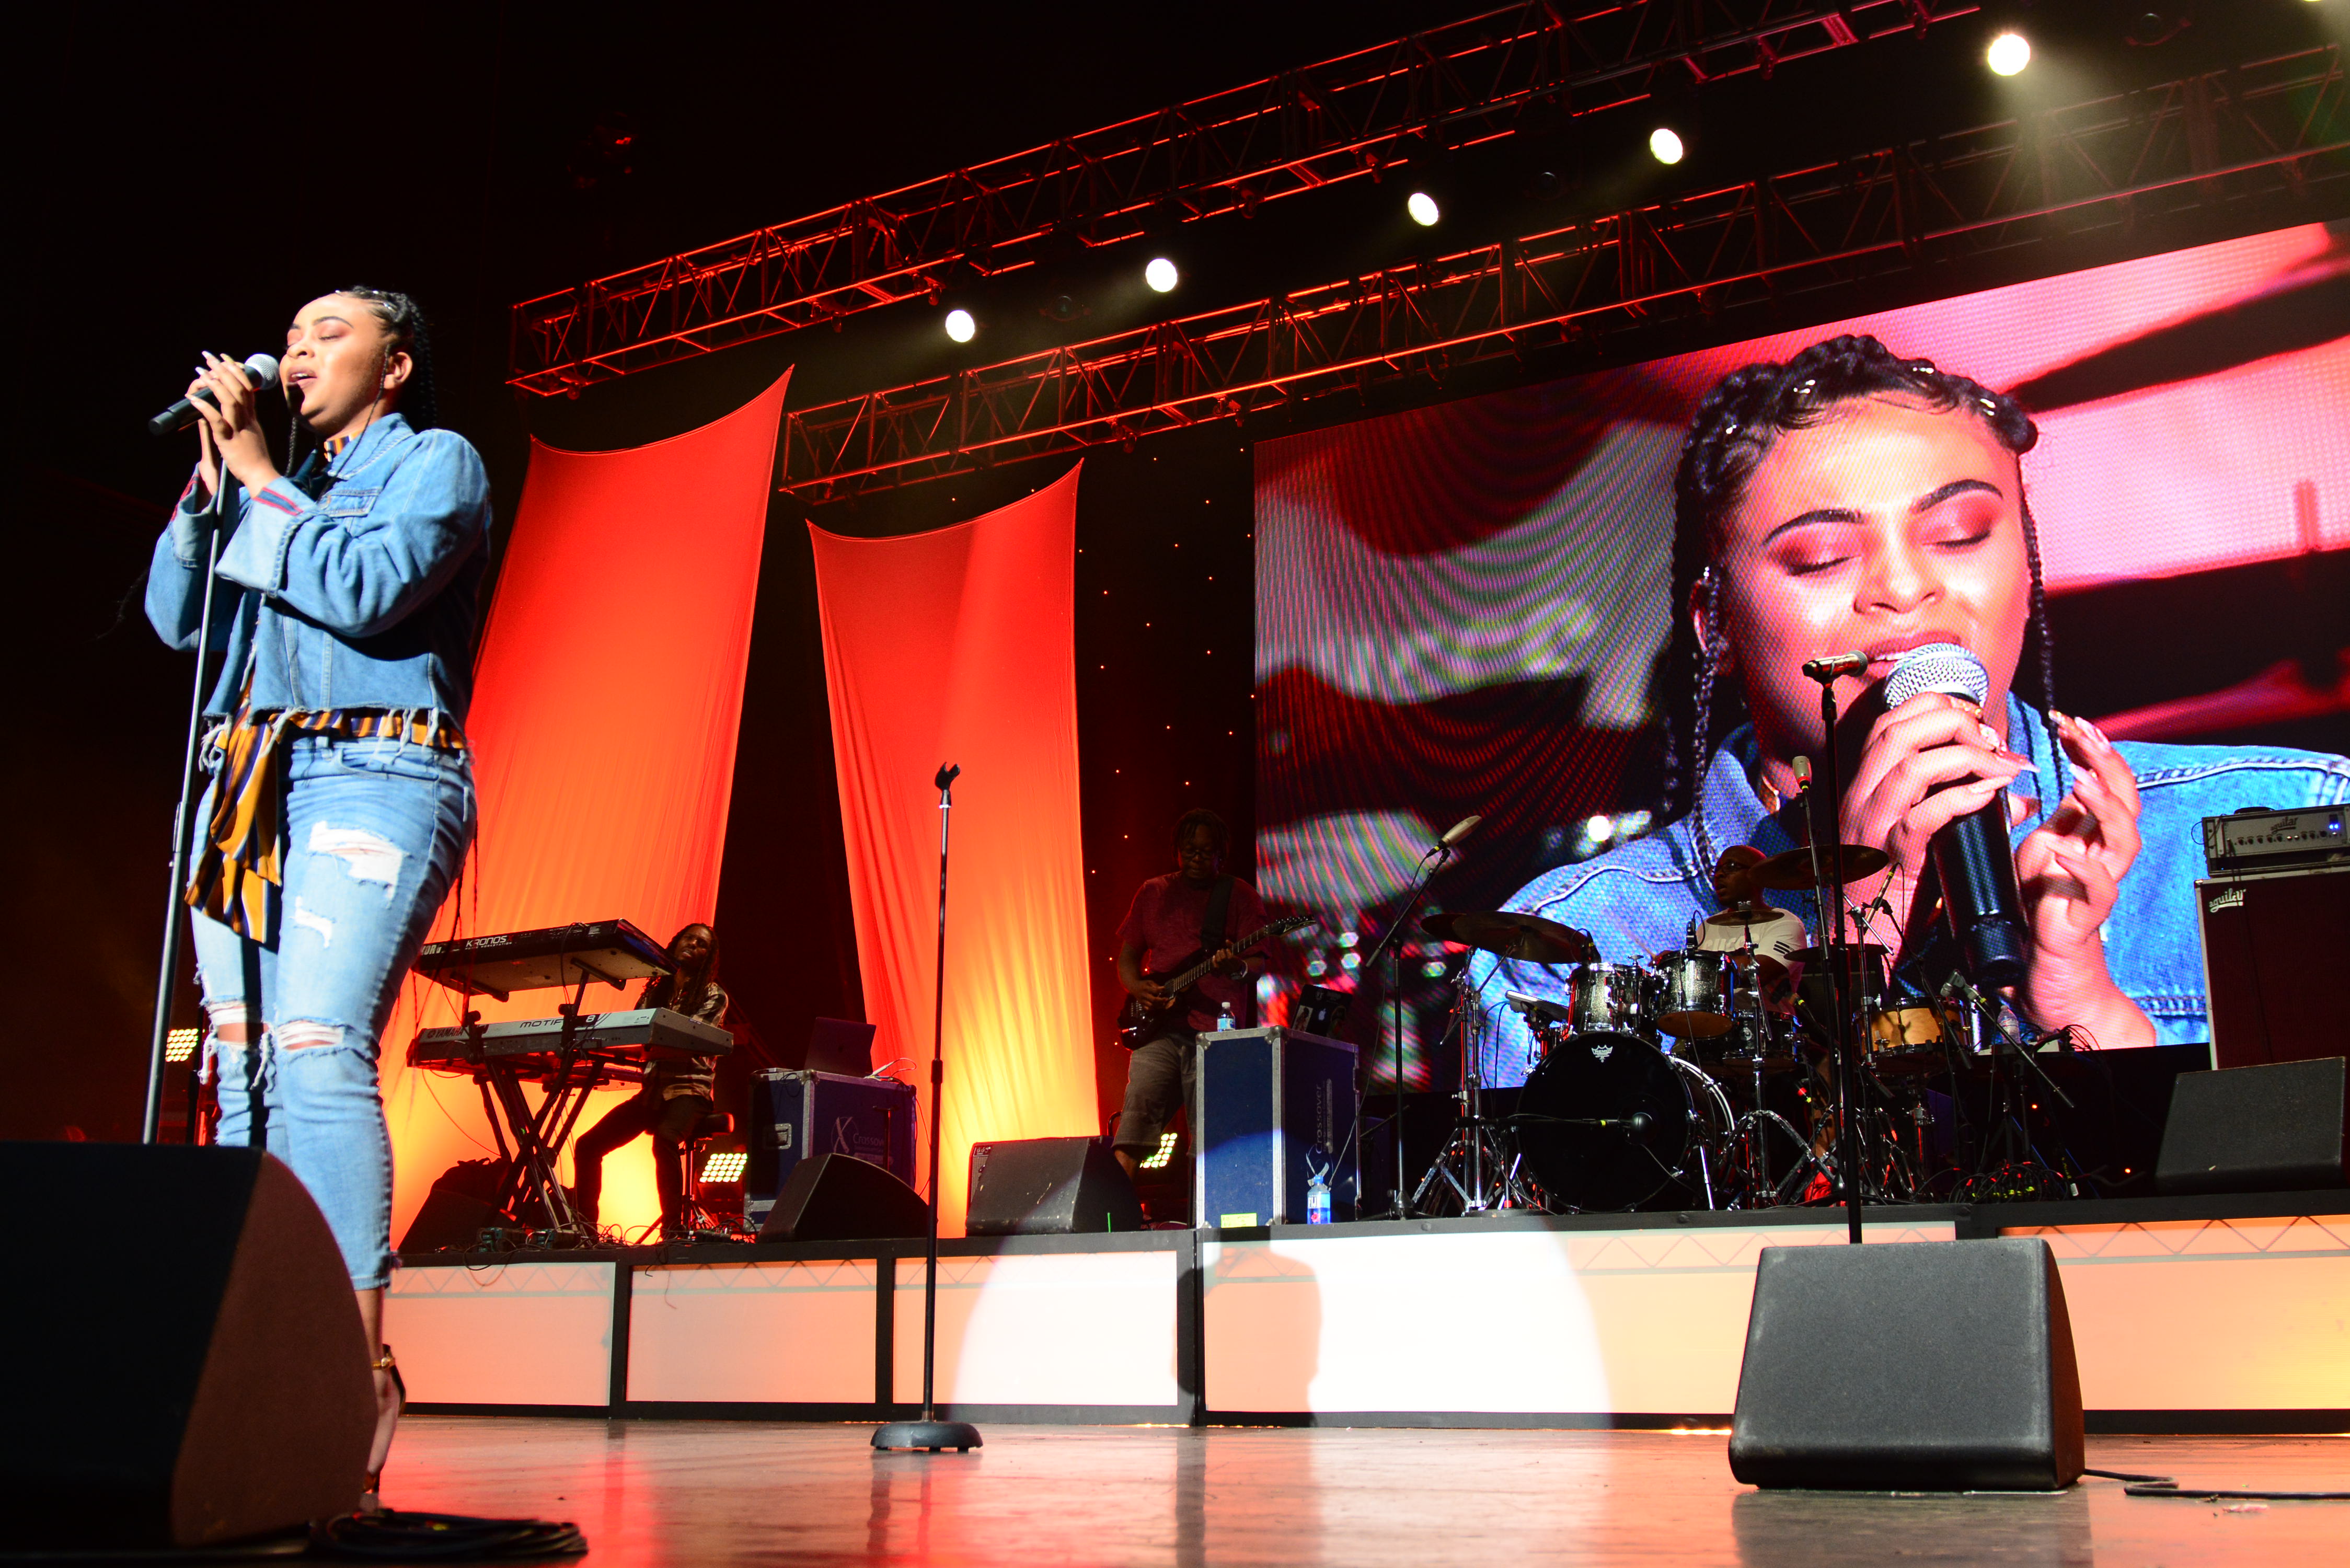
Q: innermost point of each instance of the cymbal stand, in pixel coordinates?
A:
(1478, 1165)
(1828, 883)
(1749, 1141)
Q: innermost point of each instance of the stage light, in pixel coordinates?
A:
(1422, 208)
(2009, 53)
(720, 1166)
(180, 1045)
(960, 324)
(1161, 275)
(1665, 145)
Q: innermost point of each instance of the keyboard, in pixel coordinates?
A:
(637, 1028)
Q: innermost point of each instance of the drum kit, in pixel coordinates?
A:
(1695, 1079)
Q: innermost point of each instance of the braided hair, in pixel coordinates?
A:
(420, 402)
(682, 990)
(1734, 427)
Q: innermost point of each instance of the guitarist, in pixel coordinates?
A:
(1194, 909)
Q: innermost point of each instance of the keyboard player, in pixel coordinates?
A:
(679, 1090)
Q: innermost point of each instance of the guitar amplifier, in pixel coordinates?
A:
(1272, 1104)
(795, 1115)
(2272, 944)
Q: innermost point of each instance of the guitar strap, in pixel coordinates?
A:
(1212, 924)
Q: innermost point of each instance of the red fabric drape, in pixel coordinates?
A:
(606, 704)
(957, 646)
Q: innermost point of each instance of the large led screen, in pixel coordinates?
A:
(1470, 608)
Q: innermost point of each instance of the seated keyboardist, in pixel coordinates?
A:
(677, 1090)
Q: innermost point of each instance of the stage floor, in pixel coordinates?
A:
(711, 1492)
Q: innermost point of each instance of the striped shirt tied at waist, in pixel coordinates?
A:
(240, 867)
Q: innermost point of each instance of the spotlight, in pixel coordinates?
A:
(2009, 53)
(1160, 275)
(1665, 146)
(1422, 208)
(960, 324)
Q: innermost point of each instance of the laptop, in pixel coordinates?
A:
(840, 1045)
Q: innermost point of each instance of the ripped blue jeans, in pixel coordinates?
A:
(375, 832)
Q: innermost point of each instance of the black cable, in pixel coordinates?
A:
(2165, 1486)
(444, 1536)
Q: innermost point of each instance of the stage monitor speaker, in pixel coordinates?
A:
(2272, 1128)
(1908, 1367)
(198, 1377)
(840, 1197)
(1049, 1187)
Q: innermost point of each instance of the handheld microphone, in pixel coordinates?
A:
(1971, 856)
(261, 371)
(1830, 666)
(1458, 831)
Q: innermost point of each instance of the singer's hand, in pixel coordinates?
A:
(231, 430)
(1930, 740)
(2070, 871)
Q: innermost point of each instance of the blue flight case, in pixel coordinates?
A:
(795, 1114)
(1271, 1106)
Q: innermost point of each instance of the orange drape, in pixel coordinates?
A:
(606, 704)
(957, 646)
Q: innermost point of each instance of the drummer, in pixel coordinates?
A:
(1776, 935)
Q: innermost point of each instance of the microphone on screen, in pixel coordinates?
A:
(261, 369)
(1971, 855)
(1835, 664)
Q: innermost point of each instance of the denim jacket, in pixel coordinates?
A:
(359, 578)
(1638, 900)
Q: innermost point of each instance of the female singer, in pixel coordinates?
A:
(342, 794)
(1853, 499)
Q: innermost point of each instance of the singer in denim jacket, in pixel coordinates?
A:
(341, 802)
(1638, 900)
(1851, 499)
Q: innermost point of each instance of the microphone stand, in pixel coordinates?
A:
(929, 1432)
(1827, 882)
(1429, 865)
(167, 971)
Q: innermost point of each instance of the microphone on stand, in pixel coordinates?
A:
(261, 369)
(1830, 666)
(1458, 831)
(1971, 855)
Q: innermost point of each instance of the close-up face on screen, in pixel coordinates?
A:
(1529, 606)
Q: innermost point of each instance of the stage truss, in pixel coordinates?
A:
(1343, 119)
(2265, 142)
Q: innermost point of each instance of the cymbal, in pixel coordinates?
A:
(1791, 870)
(1528, 938)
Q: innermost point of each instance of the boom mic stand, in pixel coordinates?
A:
(1429, 865)
(167, 971)
(1827, 880)
(929, 1432)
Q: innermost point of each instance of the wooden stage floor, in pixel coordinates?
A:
(720, 1492)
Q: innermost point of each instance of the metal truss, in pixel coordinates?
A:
(2239, 139)
(1302, 131)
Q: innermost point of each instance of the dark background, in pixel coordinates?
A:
(187, 178)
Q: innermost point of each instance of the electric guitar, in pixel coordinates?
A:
(1140, 1020)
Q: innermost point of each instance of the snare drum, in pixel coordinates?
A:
(1611, 998)
(1697, 993)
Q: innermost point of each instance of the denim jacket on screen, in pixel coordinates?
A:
(1638, 900)
(359, 578)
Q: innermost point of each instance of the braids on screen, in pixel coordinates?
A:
(1735, 424)
(404, 330)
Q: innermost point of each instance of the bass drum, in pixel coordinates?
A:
(1606, 1076)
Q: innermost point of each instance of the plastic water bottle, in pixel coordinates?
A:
(1317, 1185)
(1223, 1017)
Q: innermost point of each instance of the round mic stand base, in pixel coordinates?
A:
(930, 1435)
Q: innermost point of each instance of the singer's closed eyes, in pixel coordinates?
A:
(1854, 500)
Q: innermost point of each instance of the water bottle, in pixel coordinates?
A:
(1319, 1164)
(1223, 1017)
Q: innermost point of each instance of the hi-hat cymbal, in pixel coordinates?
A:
(1528, 938)
(1791, 870)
